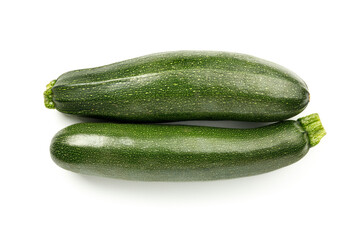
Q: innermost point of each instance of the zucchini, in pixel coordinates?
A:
(153, 152)
(184, 85)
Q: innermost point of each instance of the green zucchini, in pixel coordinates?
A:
(153, 152)
(184, 85)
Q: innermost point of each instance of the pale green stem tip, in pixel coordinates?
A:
(48, 100)
(312, 125)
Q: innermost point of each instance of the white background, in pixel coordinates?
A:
(315, 198)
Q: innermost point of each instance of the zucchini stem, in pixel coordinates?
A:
(48, 98)
(312, 125)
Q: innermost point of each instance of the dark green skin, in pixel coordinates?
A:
(185, 85)
(177, 153)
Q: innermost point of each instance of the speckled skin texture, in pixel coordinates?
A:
(177, 153)
(184, 85)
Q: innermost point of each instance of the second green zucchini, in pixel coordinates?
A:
(182, 153)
